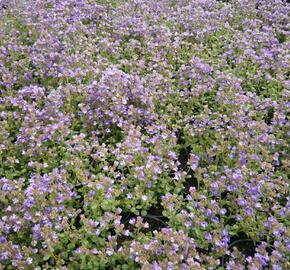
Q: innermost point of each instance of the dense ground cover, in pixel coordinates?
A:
(144, 134)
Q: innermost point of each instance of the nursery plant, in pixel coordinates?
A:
(144, 134)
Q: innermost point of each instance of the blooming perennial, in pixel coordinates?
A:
(144, 134)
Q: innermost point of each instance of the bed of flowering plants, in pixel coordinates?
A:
(144, 134)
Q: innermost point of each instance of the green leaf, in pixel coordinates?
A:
(46, 257)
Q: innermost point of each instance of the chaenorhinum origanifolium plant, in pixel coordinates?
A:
(144, 134)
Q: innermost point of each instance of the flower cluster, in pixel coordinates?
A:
(143, 134)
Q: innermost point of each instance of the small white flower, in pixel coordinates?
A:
(29, 260)
(110, 252)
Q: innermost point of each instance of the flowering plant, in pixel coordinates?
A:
(144, 134)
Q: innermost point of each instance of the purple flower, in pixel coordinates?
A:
(193, 161)
(241, 202)
(155, 266)
(249, 211)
